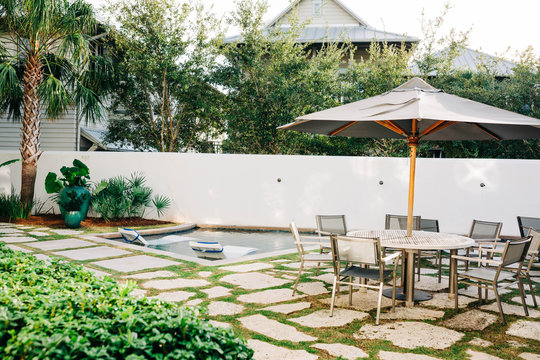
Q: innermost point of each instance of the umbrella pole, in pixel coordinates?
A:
(413, 143)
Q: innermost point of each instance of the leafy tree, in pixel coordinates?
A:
(270, 79)
(46, 65)
(163, 57)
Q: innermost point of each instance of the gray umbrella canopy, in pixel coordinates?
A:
(439, 116)
(417, 111)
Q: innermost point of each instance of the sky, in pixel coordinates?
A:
(498, 27)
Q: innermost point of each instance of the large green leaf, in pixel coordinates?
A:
(52, 184)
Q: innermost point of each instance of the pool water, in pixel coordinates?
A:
(236, 243)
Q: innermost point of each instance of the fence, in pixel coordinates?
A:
(264, 190)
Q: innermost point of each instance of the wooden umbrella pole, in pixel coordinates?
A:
(413, 144)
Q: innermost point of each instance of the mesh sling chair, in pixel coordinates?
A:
(399, 222)
(358, 254)
(527, 223)
(306, 256)
(486, 277)
(431, 225)
(485, 232)
(532, 254)
(330, 224)
(481, 231)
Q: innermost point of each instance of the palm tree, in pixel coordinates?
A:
(45, 67)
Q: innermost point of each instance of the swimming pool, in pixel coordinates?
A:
(237, 244)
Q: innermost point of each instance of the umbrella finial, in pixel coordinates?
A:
(416, 84)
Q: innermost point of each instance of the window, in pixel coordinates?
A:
(317, 7)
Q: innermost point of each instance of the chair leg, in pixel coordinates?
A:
(333, 297)
(480, 295)
(298, 277)
(522, 294)
(394, 292)
(455, 284)
(439, 262)
(379, 301)
(318, 265)
(419, 256)
(350, 291)
(466, 262)
(499, 305)
(531, 288)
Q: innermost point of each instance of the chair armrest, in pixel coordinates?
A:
(311, 237)
(498, 251)
(391, 257)
(320, 232)
(485, 261)
(311, 243)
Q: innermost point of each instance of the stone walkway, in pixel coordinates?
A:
(256, 300)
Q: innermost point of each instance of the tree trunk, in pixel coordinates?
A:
(30, 153)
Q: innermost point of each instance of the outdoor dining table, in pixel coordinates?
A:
(420, 240)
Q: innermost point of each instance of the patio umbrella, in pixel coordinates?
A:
(417, 111)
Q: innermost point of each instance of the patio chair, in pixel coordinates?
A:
(399, 222)
(527, 223)
(330, 224)
(431, 225)
(532, 254)
(483, 277)
(485, 232)
(358, 254)
(306, 256)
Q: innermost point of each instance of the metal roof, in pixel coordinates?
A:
(474, 60)
(352, 33)
(97, 136)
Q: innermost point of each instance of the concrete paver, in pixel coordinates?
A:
(60, 244)
(411, 335)
(135, 263)
(274, 329)
(98, 252)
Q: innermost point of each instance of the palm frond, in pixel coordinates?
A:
(55, 95)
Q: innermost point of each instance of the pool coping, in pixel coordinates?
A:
(106, 239)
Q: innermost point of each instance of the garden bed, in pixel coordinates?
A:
(58, 221)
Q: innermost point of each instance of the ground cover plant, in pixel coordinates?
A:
(60, 311)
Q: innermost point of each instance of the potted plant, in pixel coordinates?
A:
(72, 201)
(74, 178)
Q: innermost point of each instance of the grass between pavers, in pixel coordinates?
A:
(345, 334)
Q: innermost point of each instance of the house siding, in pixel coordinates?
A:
(332, 14)
(59, 135)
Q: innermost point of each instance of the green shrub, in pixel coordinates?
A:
(121, 197)
(61, 311)
(12, 208)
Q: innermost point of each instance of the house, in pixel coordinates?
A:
(331, 21)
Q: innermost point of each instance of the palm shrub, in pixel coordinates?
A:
(61, 311)
(122, 197)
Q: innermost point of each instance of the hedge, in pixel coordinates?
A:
(61, 311)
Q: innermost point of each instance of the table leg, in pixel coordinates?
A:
(409, 284)
(407, 292)
(453, 264)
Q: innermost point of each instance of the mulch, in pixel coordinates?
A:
(58, 221)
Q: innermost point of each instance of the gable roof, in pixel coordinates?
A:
(473, 60)
(354, 33)
(293, 4)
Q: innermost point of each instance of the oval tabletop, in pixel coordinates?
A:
(420, 240)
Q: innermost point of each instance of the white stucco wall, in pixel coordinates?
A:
(243, 189)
